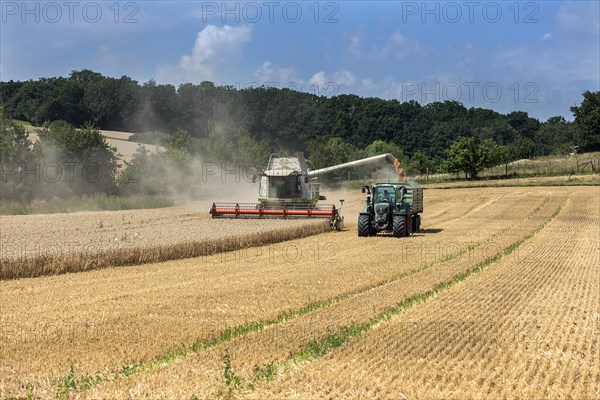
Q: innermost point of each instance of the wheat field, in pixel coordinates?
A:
(496, 297)
(36, 245)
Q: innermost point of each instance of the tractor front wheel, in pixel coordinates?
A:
(364, 225)
(399, 225)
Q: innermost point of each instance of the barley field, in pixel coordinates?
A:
(496, 297)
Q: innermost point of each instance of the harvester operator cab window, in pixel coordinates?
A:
(284, 187)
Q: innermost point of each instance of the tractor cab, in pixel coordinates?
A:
(390, 194)
(385, 194)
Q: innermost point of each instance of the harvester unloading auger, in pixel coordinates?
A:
(287, 189)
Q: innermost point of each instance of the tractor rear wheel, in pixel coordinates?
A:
(399, 225)
(364, 225)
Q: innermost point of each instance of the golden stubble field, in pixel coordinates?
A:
(497, 297)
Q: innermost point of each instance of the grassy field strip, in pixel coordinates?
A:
(102, 353)
(526, 328)
(281, 340)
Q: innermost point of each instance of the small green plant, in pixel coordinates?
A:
(67, 383)
(232, 381)
(266, 373)
(30, 391)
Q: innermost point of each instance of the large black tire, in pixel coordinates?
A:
(399, 225)
(364, 225)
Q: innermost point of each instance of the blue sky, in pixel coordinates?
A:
(532, 56)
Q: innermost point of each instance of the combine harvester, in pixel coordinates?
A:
(287, 189)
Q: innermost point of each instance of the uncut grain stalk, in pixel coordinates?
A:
(55, 264)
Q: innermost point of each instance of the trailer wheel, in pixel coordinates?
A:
(416, 223)
(399, 225)
(364, 225)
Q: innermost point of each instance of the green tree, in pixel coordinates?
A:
(522, 148)
(420, 163)
(556, 136)
(587, 119)
(146, 173)
(179, 146)
(325, 152)
(381, 147)
(81, 157)
(251, 151)
(15, 158)
(468, 156)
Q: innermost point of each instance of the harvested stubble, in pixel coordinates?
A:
(273, 346)
(88, 241)
(139, 314)
(526, 327)
(109, 318)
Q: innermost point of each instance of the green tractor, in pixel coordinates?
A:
(391, 207)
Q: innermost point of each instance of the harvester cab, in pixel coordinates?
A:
(391, 207)
(286, 181)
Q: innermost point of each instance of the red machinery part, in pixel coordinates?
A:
(272, 210)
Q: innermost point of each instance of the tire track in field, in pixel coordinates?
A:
(472, 210)
(457, 209)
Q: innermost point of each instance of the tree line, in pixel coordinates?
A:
(223, 123)
(286, 118)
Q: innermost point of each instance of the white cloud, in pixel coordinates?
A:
(367, 85)
(277, 76)
(396, 45)
(339, 78)
(215, 56)
(547, 36)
